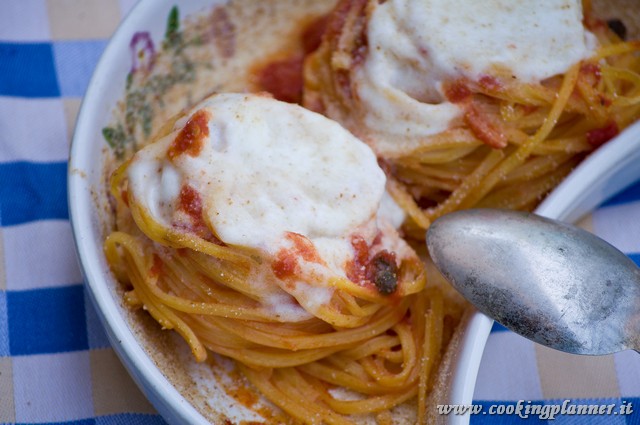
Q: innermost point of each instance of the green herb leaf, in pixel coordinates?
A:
(173, 23)
(108, 133)
(116, 139)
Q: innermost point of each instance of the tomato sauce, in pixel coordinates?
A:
(490, 83)
(591, 72)
(283, 77)
(383, 272)
(379, 272)
(157, 266)
(191, 138)
(286, 262)
(485, 130)
(124, 194)
(457, 91)
(599, 136)
(190, 202)
(356, 268)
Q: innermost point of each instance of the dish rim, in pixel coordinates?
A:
(83, 212)
(575, 196)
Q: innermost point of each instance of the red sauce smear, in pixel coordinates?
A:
(383, 272)
(490, 83)
(460, 90)
(591, 72)
(312, 34)
(286, 262)
(485, 130)
(283, 78)
(379, 272)
(356, 268)
(124, 194)
(157, 266)
(304, 247)
(191, 138)
(599, 136)
(338, 17)
(457, 91)
(190, 202)
(358, 43)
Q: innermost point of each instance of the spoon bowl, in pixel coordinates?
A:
(551, 282)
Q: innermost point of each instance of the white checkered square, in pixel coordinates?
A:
(619, 225)
(33, 261)
(52, 387)
(32, 24)
(32, 129)
(628, 371)
(508, 369)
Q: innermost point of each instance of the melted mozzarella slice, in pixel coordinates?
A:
(260, 168)
(259, 173)
(287, 182)
(532, 40)
(416, 46)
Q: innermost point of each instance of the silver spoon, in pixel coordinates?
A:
(548, 281)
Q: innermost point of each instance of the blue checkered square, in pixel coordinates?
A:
(90, 421)
(33, 191)
(4, 325)
(630, 194)
(130, 419)
(497, 327)
(634, 417)
(50, 320)
(27, 70)
(503, 419)
(95, 331)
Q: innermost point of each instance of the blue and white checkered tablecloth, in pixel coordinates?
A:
(56, 365)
